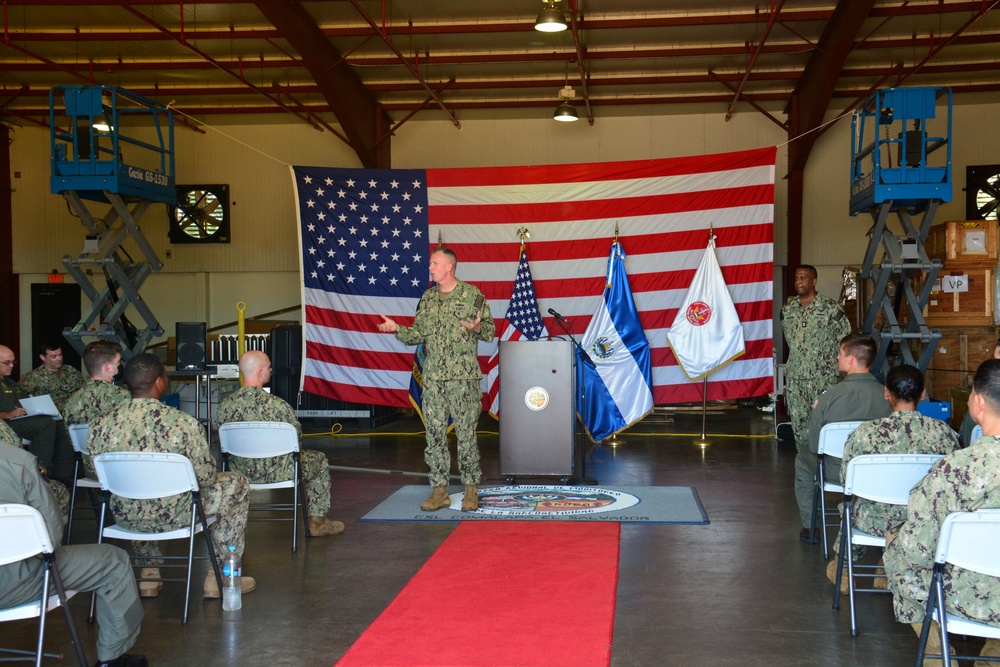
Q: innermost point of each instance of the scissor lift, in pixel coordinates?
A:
(905, 171)
(111, 149)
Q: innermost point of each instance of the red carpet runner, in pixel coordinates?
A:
(503, 594)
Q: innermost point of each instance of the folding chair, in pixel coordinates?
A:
(970, 541)
(880, 478)
(23, 535)
(261, 440)
(779, 390)
(832, 439)
(78, 436)
(149, 475)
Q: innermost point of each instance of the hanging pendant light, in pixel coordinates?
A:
(566, 112)
(550, 19)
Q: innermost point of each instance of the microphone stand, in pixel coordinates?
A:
(582, 479)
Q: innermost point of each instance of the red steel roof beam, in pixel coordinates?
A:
(983, 10)
(753, 56)
(580, 65)
(163, 29)
(406, 63)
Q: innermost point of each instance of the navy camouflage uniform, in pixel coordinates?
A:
(49, 441)
(813, 335)
(905, 432)
(966, 480)
(451, 376)
(90, 402)
(858, 397)
(59, 385)
(148, 425)
(250, 404)
(101, 568)
(61, 493)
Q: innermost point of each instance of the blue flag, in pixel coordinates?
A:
(616, 380)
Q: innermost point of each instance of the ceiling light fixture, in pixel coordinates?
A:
(550, 19)
(566, 112)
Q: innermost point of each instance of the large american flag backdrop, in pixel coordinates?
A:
(366, 236)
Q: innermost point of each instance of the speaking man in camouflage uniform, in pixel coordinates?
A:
(49, 440)
(857, 398)
(452, 317)
(145, 424)
(102, 358)
(52, 377)
(251, 403)
(905, 431)
(101, 568)
(966, 480)
(813, 325)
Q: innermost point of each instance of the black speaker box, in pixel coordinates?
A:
(191, 337)
(286, 362)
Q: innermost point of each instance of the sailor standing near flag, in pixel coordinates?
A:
(452, 317)
(813, 325)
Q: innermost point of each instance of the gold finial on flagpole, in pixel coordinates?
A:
(524, 234)
(440, 239)
(616, 231)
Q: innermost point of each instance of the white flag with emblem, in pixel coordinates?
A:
(706, 333)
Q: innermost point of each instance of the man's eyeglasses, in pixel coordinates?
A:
(10, 362)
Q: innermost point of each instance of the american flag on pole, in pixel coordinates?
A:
(521, 320)
(365, 237)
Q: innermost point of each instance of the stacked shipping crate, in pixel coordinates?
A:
(961, 305)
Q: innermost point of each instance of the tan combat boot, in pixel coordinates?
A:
(990, 649)
(934, 644)
(149, 589)
(438, 500)
(831, 574)
(210, 589)
(470, 503)
(320, 525)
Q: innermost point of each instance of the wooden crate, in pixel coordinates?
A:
(956, 358)
(962, 309)
(964, 243)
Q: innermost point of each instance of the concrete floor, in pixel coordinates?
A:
(740, 591)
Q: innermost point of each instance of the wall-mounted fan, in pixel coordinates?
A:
(201, 214)
(982, 192)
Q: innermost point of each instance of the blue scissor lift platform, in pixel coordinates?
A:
(111, 149)
(901, 164)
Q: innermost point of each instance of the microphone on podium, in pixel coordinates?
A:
(556, 315)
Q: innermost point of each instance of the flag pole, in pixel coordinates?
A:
(702, 441)
(614, 440)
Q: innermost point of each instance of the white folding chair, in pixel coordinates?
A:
(880, 478)
(150, 475)
(779, 389)
(78, 436)
(23, 535)
(263, 440)
(832, 438)
(969, 541)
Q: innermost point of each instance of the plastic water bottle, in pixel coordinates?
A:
(232, 582)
